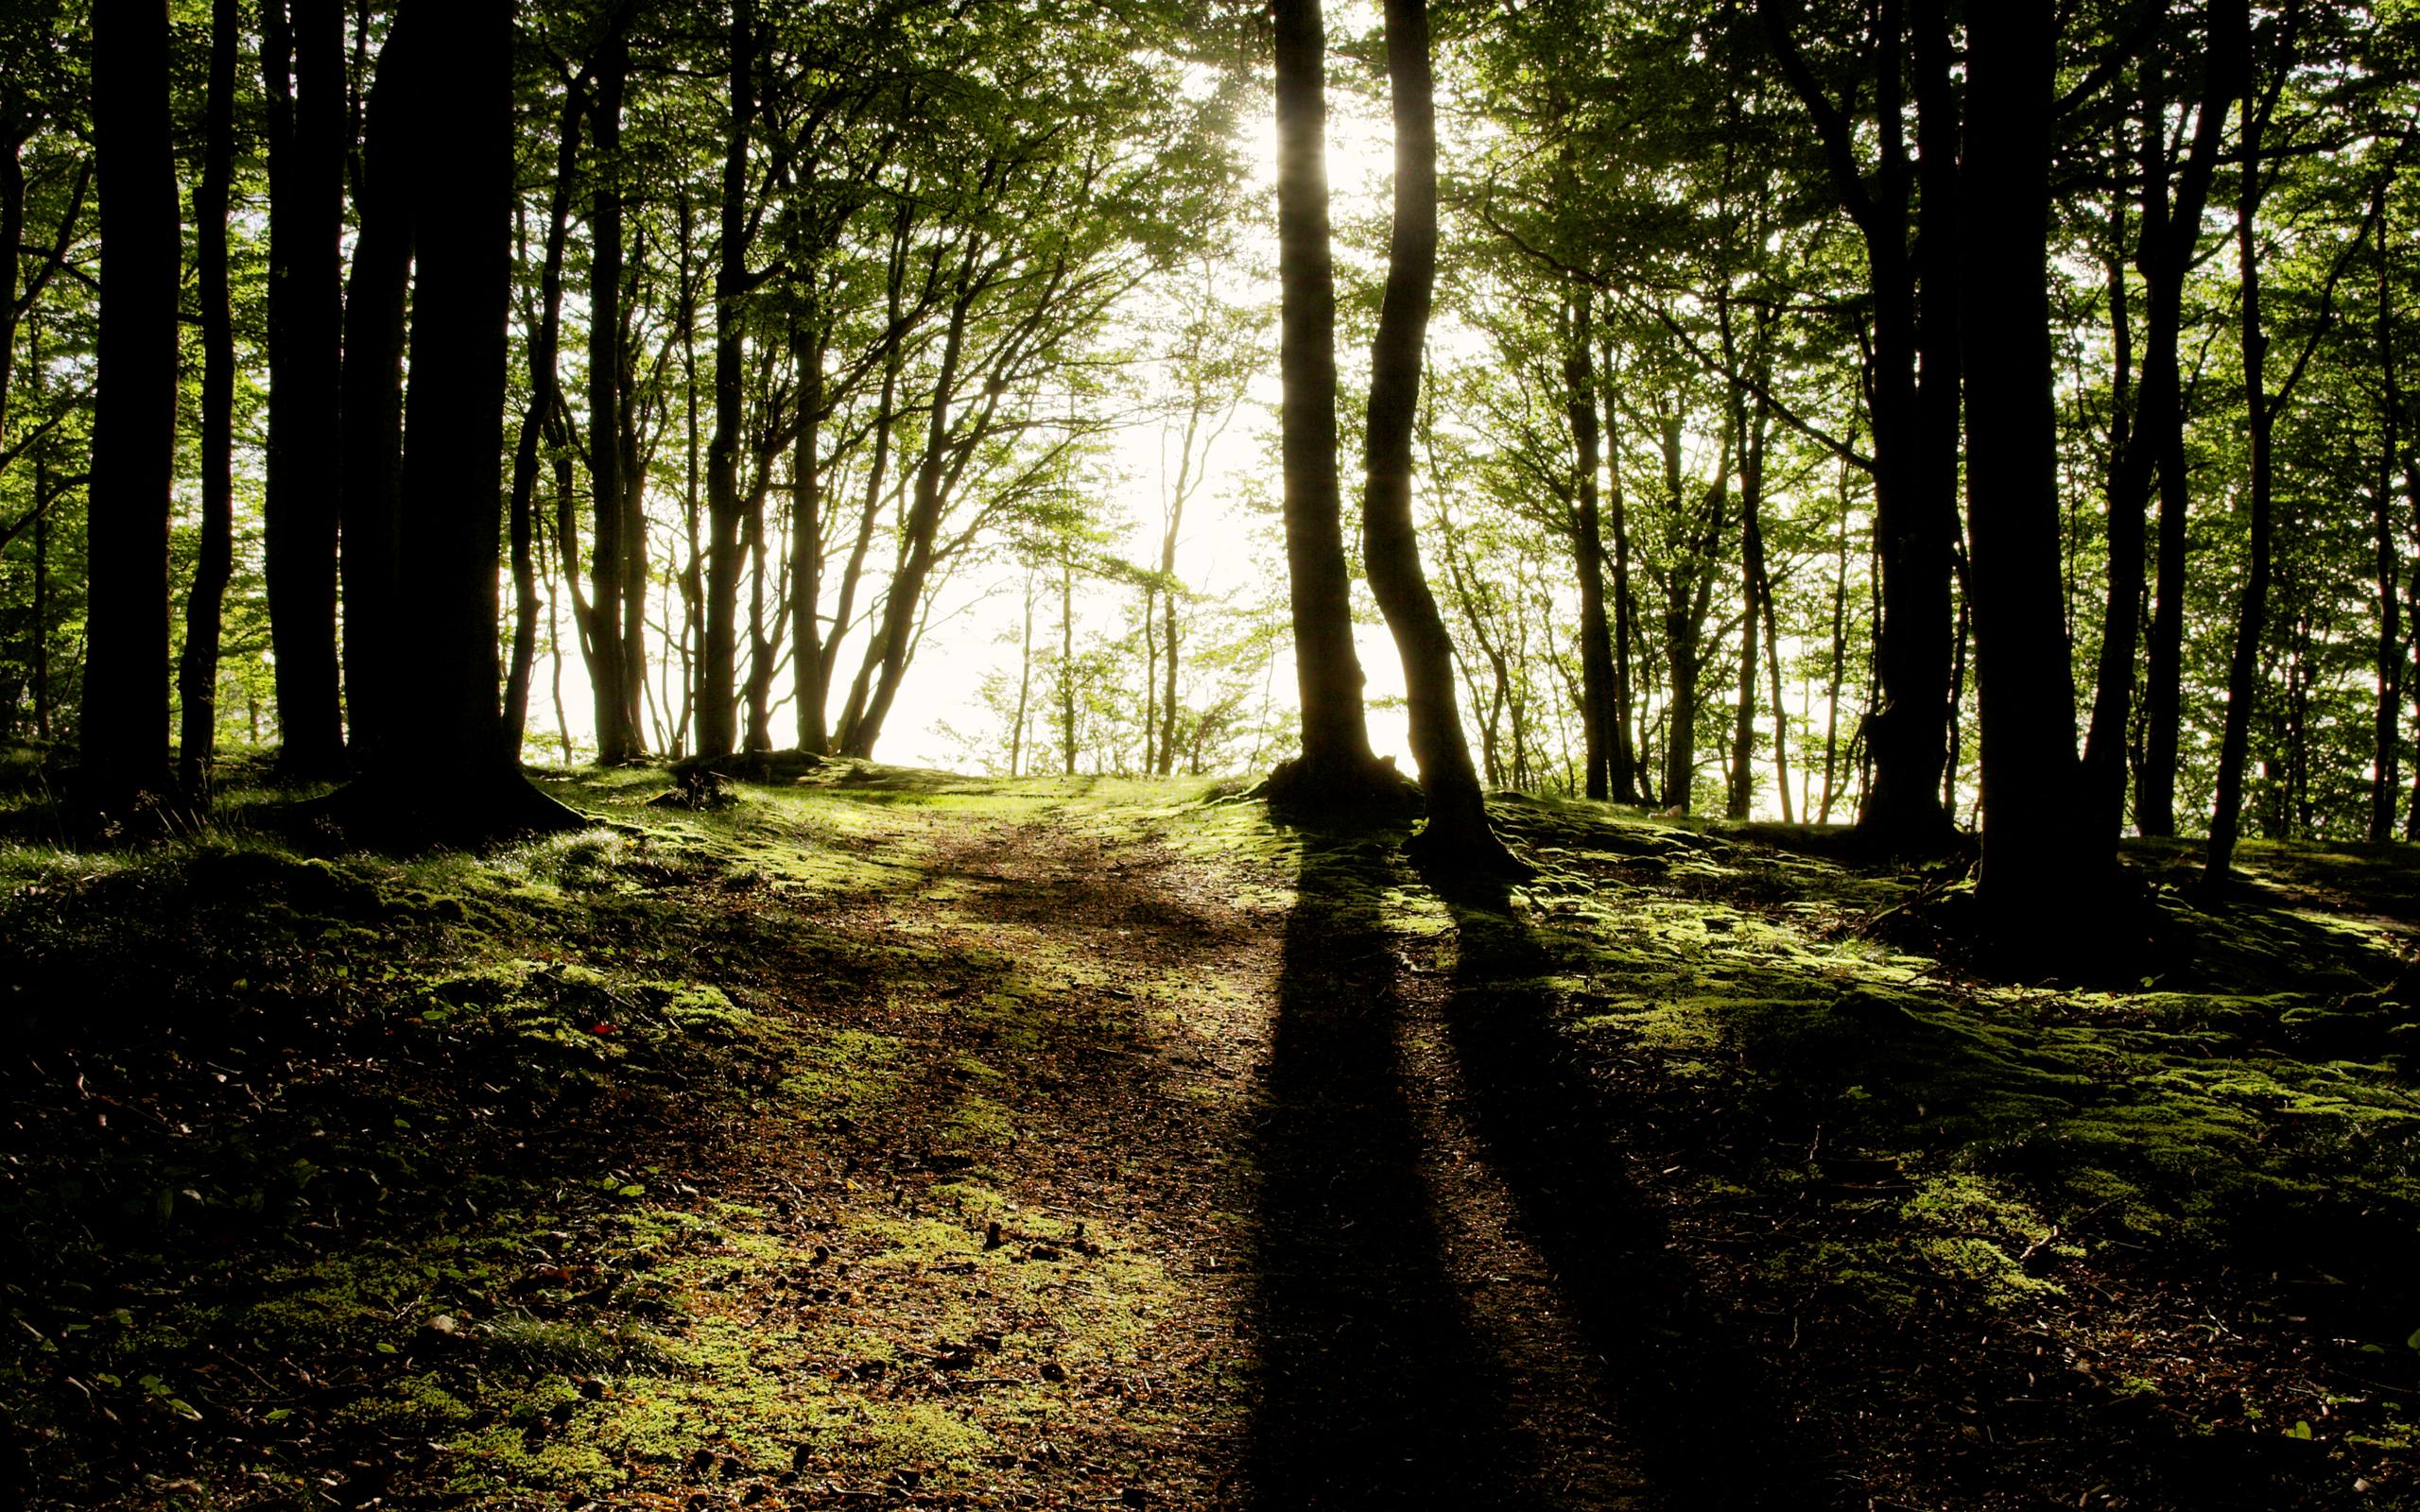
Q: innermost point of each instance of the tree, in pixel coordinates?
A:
(454, 171)
(1458, 833)
(2028, 883)
(123, 750)
(197, 671)
(1336, 763)
(303, 61)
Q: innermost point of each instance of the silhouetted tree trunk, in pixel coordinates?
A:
(2171, 235)
(1597, 713)
(1912, 400)
(2385, 779)
(807, 537)
(213, 563)
(124, 740)
(2028, 885)
(616, 709)
(719, 687)
(540, 422)
(1336, 763)
(1624, 770)
(303, 61)
(1458, 829)
(372, 405)
(454, 780)
(2251, 617)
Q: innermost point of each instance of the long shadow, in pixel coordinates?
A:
(1706, 1427)
(1373, 1391)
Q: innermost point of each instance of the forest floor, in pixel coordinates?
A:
(892, 1140)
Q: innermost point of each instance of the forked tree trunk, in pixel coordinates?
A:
(455, 781)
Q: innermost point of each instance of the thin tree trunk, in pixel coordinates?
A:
(1458, 830)
(718, 692)
(806, 543)
(1067, 660)
(2252, 618)
(124, 728)
(616, 717)
(537, 422)
(1025, 684)
(1624, 766)
(1598, 711)
(1840, 651)
(2385, 779)
(198, 674)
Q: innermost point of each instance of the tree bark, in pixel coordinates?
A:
(1598, 712)
(2153, 447)
(1336, 763)
(456, 781)
(2385, 778)
(373, 401)
(2028, 883)
(1457, 832)
(1912, 390)
(616, 716)
(303, 60)
(717, 691)
(213, 564)
(124, 732)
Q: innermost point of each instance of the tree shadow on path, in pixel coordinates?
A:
(1373, 1392)
(1706, 1429)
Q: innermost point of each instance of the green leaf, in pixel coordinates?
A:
(2300, 1430)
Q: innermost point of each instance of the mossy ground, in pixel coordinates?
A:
(895, 1139)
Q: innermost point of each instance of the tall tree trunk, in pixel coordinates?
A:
(303, 60)
(1067, 660)
(124, 731)
(373, 401)
(616, 715)
(2251, 617)
(1840, 651)
(1740, 798)
(2385, 779)
(1623, 766)
(1336, 760)
(1597, 708)
(1025, 684)
(1458, 830)
(717, 691)
(2028, 883)
(887, 654)
(457, 779)
(2152, 449)
(540, 421)
(197, 673)
(1913, 389)
(806, 540)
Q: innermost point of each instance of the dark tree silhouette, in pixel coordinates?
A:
(213, 563)
(454, 780)
(1336, 763)
(302, 63)
(1457, 832)
(125, 716)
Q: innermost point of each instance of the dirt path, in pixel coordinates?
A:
(1177, 1198)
